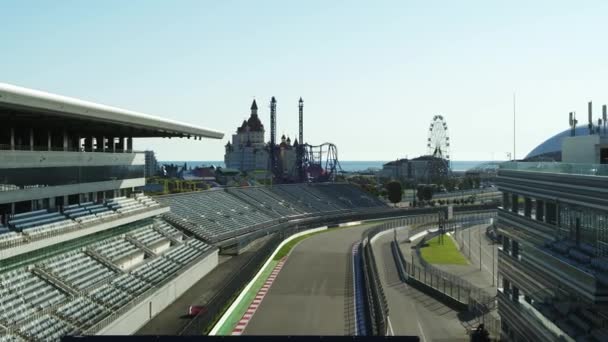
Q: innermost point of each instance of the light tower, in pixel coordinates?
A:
(300, 151)
(273, 137)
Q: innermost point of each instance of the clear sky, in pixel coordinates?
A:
(372, 73)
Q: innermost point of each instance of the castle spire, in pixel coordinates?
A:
(254, 108)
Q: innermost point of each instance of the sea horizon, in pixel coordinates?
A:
(347, 165)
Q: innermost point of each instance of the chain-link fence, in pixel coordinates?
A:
(450, 287)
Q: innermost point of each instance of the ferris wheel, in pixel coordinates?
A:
(438, 142)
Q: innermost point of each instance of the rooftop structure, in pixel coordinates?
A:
(79, 247)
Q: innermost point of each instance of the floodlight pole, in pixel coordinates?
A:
(479, 249)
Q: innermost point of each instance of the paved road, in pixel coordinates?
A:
(313, 293)
(476, 239)
(172, 320)
(412, 312)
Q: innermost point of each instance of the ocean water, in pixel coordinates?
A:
(347, 165)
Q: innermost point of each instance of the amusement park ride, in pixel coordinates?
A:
(438, 146)
(313, 163)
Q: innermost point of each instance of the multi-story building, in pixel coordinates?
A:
(151, 164)
(81, 252)
(423, 169)
(554, 256)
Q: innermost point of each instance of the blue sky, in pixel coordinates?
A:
(372, 74)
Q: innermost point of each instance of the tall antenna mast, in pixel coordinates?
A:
(604, 117)
(300, 151)
(514, 158)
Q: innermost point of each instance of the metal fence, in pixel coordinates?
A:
(452, 288)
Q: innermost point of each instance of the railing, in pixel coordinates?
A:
(451, 288)
(137, 300)
(557, 167)
(46, 148)
(79, 226)
(216, 306)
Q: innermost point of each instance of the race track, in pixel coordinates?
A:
(313, 293)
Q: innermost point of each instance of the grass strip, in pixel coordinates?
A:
(446, 253)
(241, 308)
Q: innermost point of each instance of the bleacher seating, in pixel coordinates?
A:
(10, 338)
(131, 284)
(146, 201)
(88, 212)
(77, 269)
(81, 312)
(70, 292)
(40, 221)
(168, 230)
(214, 213)
(47, 328)
(147, 235)
(273, 206)
(115, 248)
(110, 296)
(156, 270)
(23, 293)
(217, 215)
(187, 252)
(8, 236)
(124, 205)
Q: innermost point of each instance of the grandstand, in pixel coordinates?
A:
(219, 215)
(81, 252)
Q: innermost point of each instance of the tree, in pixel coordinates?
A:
(420, 193)
(427, 193)
(394, 192)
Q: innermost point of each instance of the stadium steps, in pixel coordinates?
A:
(42, 273)
(140, 245)
(103, 260)
(255, 203)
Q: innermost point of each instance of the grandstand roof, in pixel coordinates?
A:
(33, 105)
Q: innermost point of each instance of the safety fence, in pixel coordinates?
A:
(216, 306)
(452, 289)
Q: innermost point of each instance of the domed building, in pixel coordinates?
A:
(551, 149)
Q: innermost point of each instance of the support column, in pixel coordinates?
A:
(13, 208)
(48, 140)
(31, 139)
(120, 144)
(130, 144)
(65, 140)
(540, 210)
(13, 142)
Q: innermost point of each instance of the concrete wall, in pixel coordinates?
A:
(134, 319)
(581, 150)
(33, 159)
(35, 245)
(160, 246)
(130, 261)
(64, 190)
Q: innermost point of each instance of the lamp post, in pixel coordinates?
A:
(479, 236)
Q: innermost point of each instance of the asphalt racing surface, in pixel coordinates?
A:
(313, 294)
(412, 312)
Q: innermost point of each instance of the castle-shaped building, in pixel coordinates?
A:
(248, 152)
